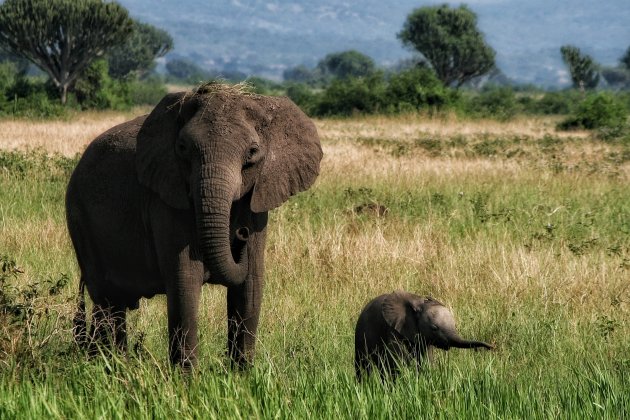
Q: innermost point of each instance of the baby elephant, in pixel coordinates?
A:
(401, 326)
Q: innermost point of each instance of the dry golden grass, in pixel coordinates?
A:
(71, 136)
(382, 147)
(411, 126)
(352, 162)
(66, 137)
(349, 156)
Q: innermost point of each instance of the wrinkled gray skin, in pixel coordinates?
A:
(400, 326)
(169, 201)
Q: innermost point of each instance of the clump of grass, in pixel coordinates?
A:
(217, 86)
(214, 87)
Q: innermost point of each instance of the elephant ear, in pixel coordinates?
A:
(399, 310)
(156, 162)
(292, 157)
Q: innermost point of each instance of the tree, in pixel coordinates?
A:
(137, 55)
(186, 71)
(450, 42)
(625, 59)
(299, 73)
(584, 71)
(346, 64)
(62, 37)
(616, 77)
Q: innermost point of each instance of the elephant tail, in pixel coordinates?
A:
(79, 322)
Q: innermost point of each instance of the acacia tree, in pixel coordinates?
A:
(62, 37)
(449, 40)
(137, 55)
(584, 71)
(346, 64)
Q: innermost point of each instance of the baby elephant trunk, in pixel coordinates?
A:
(460, 343)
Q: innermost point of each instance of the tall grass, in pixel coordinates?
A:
(530, 249)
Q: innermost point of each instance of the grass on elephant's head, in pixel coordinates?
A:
(531, 250)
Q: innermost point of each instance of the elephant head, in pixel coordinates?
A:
(206, 149)
(424, 321)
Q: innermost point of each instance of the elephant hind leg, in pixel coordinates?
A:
(79, 322)
(108, 329)
(362, 366)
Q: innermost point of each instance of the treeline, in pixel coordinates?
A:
(90, 54)
(418, 90)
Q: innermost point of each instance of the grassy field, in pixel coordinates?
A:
(522, 231)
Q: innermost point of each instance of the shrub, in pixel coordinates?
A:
(95, 89)
(8, 75)
(493, 102)
(556, 103)
(303, 96)
(146, 92)
(416, 88)
(31, 98)
(354, 95)
(36, 105)
(600, 110)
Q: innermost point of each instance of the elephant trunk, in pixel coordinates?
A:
(216, 191)
(458, 342)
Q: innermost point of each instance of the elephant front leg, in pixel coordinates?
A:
(183, 307)
(243, 310)
(244, 301)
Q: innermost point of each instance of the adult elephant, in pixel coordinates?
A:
(178, 198)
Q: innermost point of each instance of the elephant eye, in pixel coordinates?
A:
(253, 154)
(180, 147)
(434, 327)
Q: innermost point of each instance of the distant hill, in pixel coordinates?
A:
(265, 37)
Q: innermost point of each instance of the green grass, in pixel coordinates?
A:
(531, 258)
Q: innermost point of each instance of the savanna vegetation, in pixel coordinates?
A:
(508, 203)
(47, 73)
(522, 230)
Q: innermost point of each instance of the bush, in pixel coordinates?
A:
(493, 102)
(146, 92)
(36, 105)
(556, 103)
(600, 110)
(8, 75)
(34, 97)
(30, 98)
(95, 89)
(416, 88)
(303, 97)
(354, 95)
